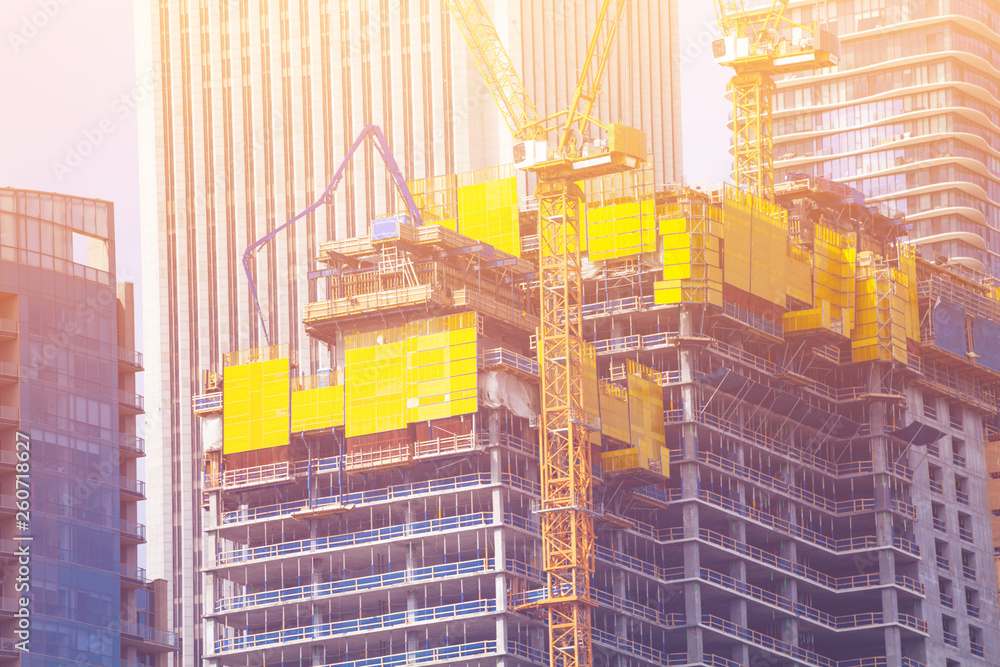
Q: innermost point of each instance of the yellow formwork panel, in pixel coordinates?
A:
(908, 266)
(256, 406)
(441, 367)
(737, 216)
(488, 212)
(799, 274)
(318, 408)
(621, 230)
(376, 396)
(645, 406)
(614, 411)
(692, 262)
(437, 199)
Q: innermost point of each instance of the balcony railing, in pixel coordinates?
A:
(943, 563)
(132, 443)
(977, 649)
(133, 572)
(8, 605)
(132, 485)
(962, 497)
(8, 503)
(956, 422)
(149, 634)
(9, 414)
(972, 610)
(950, 638)
(965, 534)
(958, 459)
(947, 601)
(939, 524)
(8, 458)
(130, 357)
(132, 529)
(937, 487)
(969, 572)
(130, 400)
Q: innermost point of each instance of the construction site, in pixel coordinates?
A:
(614, 423)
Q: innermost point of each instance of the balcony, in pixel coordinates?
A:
(943, 563)
(146, 634)
(9, 415)
(977, 649)
(130, 402)
(131, 531)
(933, 449)
(9, 372)
(937, 487)
(134, 573)
(958, 459)
(132, 487)
(962, 497)
(947, 601)
(950, 638)
(8, 648)
(8, 504)
(956, 423)
(8, 606)
(131, 444)
(969, 572)
(972, 610)
(129, 360)
(965, 534)
(8, 328)
(8, 459)
(939, 524)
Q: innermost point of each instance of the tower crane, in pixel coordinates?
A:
(759, 44)
(567, 508)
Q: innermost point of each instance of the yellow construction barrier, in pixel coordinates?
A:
(255, 406)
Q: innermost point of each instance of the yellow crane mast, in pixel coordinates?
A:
(566, 469)
(759, 44)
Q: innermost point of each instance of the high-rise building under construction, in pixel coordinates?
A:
(909, 117)
(245, 110)
(793, 407)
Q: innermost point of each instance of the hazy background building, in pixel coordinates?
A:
(68, 366)
(253, 107)
(910, 117)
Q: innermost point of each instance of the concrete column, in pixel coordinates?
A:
(789, 588)
(412, 636)
(692, 590)
(738, 607)
(209, 581)
(618, 587)
(316, 578)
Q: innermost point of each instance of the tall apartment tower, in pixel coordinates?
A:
(73, 592)
(909, 117)
(248, 109)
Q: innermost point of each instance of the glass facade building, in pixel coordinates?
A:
(69, 490)
(910, 117)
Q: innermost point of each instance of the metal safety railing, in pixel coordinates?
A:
(369, 624)
(384, 494)
(331, 588)
(253, 553)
